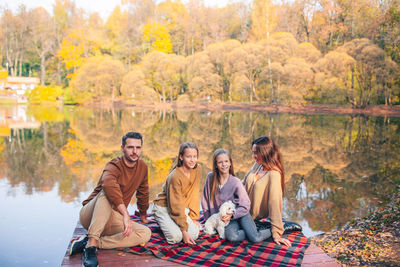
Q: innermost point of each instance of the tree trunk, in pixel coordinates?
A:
(42, 68)
(20, 67)
(58, 72)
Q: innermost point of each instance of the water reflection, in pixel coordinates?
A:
(337, 167)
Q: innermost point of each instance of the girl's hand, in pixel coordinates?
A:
(197, 223)
(187, 239)
(226, 218)
(282, 241)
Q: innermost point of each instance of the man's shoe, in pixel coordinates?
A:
(291, 227)
(89, 257)
(78, 245)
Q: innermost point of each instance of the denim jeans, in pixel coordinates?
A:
(239, 229)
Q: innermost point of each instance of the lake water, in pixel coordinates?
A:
(337, 168)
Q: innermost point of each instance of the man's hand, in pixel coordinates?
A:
(226, 218)
(128, 226)
(187, 239)
(144, 219)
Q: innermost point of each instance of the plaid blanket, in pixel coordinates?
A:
(210, 250)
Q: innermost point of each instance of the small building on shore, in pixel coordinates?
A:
(16, 87)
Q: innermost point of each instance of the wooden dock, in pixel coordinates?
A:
(314, 257)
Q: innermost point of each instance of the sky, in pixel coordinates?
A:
(103, 7)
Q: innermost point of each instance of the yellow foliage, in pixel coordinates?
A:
(3, 73)
(45, 93)
(71, 54)
(156, 38)
(134, 87)
(48, 113)
(73, 152)
(2, 145)
(99, 76)
(159, 171)
(264, 19)
(79, 44)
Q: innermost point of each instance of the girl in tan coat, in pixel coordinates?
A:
(176, 209)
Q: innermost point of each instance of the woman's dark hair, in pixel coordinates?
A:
(134, 135)
(216, 176)
(270, 155)
(182, 149)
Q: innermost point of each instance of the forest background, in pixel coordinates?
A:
(276, 52)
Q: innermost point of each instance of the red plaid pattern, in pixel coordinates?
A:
(210, 250)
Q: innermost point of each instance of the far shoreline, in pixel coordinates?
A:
(380, 110)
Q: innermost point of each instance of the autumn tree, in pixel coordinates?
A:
(42, 39)
(117, 32)
(65, 16)
(97, 78)
(130, 32)
(263, 19)
(15, 36)
(332, 78)
(370, 73)
(174, 15)
(203, 83)
(83, 41)
(156, 38)
(164, 73)
(134, 87)
(250, 63)
(223, 59)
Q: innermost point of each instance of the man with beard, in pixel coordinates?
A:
(104, 214)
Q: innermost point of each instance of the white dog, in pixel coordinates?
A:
(215, 222)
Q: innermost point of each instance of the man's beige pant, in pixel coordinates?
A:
(106, 225)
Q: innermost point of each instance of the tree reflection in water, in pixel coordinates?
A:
(337, 167)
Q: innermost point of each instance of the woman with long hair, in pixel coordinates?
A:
(176, 209)
(264, 184)
(221, 186)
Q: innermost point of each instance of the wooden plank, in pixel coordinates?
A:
(112, 257)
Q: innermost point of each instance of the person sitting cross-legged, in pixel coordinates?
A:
(104, 214)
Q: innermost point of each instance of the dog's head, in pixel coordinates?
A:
(227, 207)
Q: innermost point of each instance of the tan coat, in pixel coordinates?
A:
(179, 192)
(266, 197)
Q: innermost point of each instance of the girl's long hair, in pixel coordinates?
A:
(270, 155)
(216, 177)
(182, 148)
